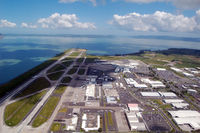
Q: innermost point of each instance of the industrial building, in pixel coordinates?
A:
(176, 69)
(161, 69)
(90, 122)
(168, 94)
(133, 107)
(154, 84)
(150, 94)
(177, 103)
(133, 121)
(169, 101)
(186, 119)
(159, 94)
(132, 82)
(188, 74)
(180, 105)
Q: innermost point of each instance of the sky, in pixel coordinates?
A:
(105, 17)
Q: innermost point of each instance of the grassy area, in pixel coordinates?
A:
(158, 102)
(55, 76)
(105, 122)
(63, 110)
(60, 90)
(55, 127)
(17, 111)
(72, 70)
(166, 106)
(46, 111)
(75, 53)
(110, 120)
(81, 71)
(14, 83)
(80, 60)
(67, 63)
(57, 67)
(66, 79)
(37, 85)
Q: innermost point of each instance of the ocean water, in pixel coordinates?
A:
(19, 53)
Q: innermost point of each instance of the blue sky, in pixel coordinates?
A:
(100, 16)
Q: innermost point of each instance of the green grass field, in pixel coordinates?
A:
(46, 111)
(37, 85)
(81, 71)
(57, 67)
(67, 63)
(17, 111)
(60, 90)
(66, 79)
(55, 127)
(110, 119)
(55, 76)
(72, 70)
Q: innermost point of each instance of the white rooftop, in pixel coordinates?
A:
(187, 117)
(161, 69)
(150, 94)
(184, 113)
(180, 105)
(173, 100)
(176, 69)
(167, 94)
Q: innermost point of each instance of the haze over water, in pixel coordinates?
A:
(19, 53)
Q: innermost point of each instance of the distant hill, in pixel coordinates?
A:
(178, 51)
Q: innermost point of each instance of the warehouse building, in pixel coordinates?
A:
(176, 69)
(154, 84)
(161, 69)
(133, 107)
(150, 94)
(168, 94)
(132, 82)
(187, 120)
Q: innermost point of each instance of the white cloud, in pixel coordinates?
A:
(159, 21)
(57, 20)
(6, 23)
(25, 25)
(182, 4)
(72, 1)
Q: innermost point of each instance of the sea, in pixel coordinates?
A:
(19, 53)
